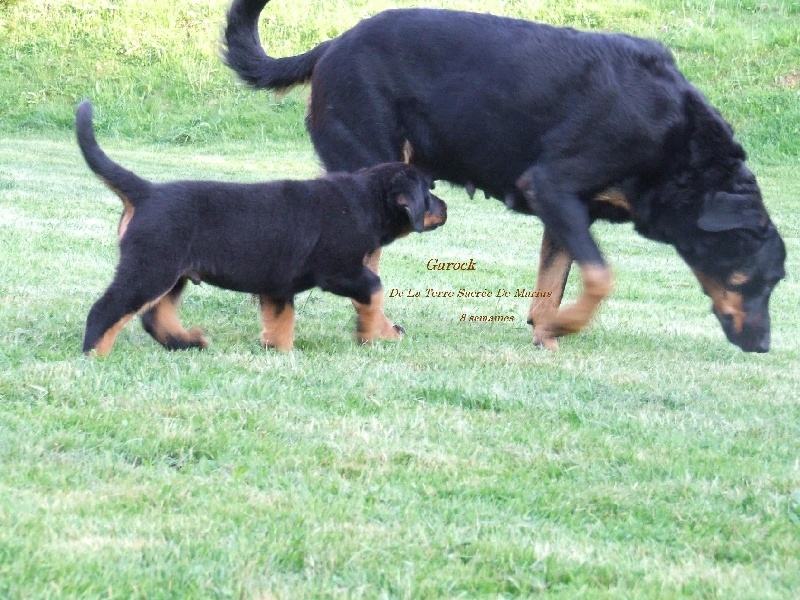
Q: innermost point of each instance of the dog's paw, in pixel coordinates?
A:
(282, 345)
(544, 338)
(389, 331)
(197, 337)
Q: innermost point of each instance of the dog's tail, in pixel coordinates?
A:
(244, 54)
(128, 186)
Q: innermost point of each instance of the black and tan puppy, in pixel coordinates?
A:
(271, 239)
(568, 125)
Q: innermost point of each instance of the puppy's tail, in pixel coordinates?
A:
(128, 186)
(242, 52)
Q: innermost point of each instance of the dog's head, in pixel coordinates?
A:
(738, 257)
(711, 210)
(409, 191)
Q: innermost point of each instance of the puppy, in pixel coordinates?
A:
(270, 239)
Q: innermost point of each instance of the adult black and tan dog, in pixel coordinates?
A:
(272, 239)
(571, 126)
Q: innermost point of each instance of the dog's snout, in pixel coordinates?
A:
(754, 334)
(437, 215)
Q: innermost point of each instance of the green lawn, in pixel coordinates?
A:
(647, 458)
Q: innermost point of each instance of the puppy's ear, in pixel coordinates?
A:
(414, 205)
(724, 212)
(407, 194)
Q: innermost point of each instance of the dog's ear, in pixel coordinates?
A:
(407, 193)
(414, 205)
(724, 212)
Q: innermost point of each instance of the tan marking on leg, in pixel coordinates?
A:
(166, 324)
(725, 302)
(371, 322)
(554, 265)
(373, 261)
(597, 283)
(387, 328)
(614, 197)
(105, 343)
(278, 322)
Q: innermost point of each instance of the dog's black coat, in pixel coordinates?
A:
(545, 119)
(273, 239)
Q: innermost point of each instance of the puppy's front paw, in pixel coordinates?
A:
(282, 345)
(390, 331)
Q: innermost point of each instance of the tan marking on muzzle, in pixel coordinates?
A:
(431, 220)
(724, 301)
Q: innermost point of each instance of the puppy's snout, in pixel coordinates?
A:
(437, 215)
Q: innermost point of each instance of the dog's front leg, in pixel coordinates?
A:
(387, 329)
(366, 291)
(370, 318)
(566, 218)
(277, 317)
(554, 265)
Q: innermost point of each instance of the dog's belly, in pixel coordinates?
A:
(260, 285)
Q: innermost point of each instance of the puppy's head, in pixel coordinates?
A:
(410, 192)
(739, 260)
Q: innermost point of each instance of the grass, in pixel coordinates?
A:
(646, 458)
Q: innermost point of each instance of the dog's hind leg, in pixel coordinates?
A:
(161, 321)
(127, 295)
(100, 336)
(277, 317)
(554, 265)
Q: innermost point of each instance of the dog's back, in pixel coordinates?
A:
(424, 75)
